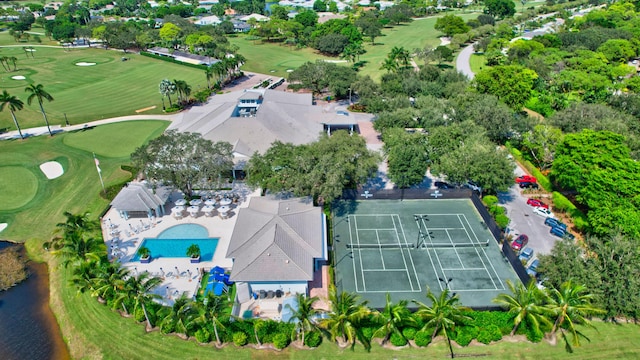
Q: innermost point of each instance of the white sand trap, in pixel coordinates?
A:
(289, 70)
(3, 226)
(82, 63)
(334, 61)
(31, 50)
(52, 169)
(18, 77)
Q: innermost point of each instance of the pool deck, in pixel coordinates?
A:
(179, 274)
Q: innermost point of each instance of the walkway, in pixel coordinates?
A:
(463, 62)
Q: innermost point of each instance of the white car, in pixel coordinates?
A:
(543, 212)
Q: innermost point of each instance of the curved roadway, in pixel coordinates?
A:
(463, 62)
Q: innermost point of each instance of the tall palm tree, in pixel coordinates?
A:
(14, 104)
(571, 305)
(182, 314)
(167, 88)
(38, 92)
(209, 74)
(346, 315)
(139, 290)
(111, 284)
(524, 304)
(443, 315)
(389, 64)
(210, 310)
(79, 241)
(392, 319)
(303, 315)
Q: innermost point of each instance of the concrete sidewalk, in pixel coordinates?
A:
(42, 130)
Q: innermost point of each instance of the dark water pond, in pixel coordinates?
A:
(28, 329)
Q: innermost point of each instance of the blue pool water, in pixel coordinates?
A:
(174, 242)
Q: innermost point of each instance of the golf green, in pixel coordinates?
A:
(18, 186)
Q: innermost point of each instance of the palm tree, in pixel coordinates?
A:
(524, 304)
(182, 314)
(210, 310)
(38, 92)
(303, 314)
(443, 315)
(167, 88)
(392, 319)
(14, 104)
(389, 64)
(111, 284)
(571, 306)
(139, 290)
(209, 74)
(347, 312)
(78, 242)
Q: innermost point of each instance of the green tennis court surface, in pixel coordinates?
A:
(405, 247)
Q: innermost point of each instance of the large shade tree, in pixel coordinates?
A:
(322, 169)
(39, 93)
(185, 160)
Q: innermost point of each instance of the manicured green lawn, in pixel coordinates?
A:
(18, 186)
(98, 332)
(477, 62)
(110, 88)
(276, 59)
(32, 214)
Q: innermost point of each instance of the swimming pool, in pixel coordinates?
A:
(174, 242)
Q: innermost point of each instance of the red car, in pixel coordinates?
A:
(537, 203)
(526, 178)
(520, 242)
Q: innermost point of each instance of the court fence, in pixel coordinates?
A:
(409, 194)
(507, 251)
(424, 194)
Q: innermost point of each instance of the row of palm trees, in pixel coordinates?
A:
(79, 246)
(13, 103)
(224, 69)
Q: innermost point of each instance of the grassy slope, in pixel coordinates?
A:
(77, 190)
(111, 88)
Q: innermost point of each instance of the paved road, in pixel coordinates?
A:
(462, 62)
(524, 221)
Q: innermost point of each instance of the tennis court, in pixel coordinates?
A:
(404, 247)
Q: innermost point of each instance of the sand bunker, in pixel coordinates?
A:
(82, 63)
(3, 226)
(18, 77)
(52, 169)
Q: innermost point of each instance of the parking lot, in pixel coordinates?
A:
(524, 221)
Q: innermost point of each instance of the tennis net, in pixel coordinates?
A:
(454, 245)
(381, 246)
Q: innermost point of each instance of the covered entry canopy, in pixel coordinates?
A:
(139, 197)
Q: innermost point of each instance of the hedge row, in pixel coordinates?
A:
(172, 60)
(579, 219)
(542, 179)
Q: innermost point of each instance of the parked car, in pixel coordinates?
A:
(442, 185)
(528, 185)
(543, 212)
(526, 254)
(557, 231)
(533, 268)
(520, 242)
(555, 223)
(537, 203)
(473, 186)
(526, 178)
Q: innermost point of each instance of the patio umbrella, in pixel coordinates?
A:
(225, 202)
(181, 202)
(177, 209)
(210, 202)
(195, 202)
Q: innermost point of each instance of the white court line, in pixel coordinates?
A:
(435, 271)
(444, 274)
(364, 284)
(485, 254)
(384, 270)
(404, 259)
(454, 249)
(478, 253)
(454, 269)
(380, 249)
(390, 229)
(353, 253)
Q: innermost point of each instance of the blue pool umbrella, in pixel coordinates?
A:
(287, 311)
(217, 270)
(218, 289)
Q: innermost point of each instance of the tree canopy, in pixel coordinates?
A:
(185, 160)
(322, 169)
